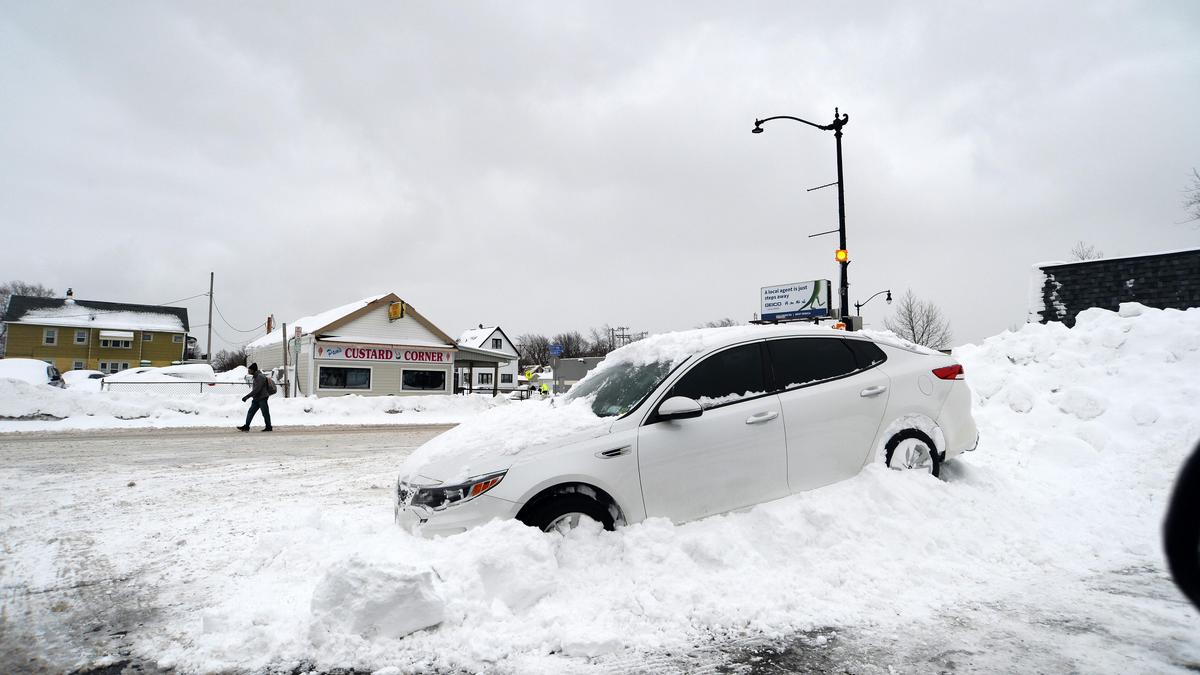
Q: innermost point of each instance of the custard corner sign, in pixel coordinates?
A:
(801, 300)
(381, 353)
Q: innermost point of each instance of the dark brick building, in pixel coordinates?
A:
(1155, 280)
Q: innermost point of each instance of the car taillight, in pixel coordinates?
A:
(954, 372)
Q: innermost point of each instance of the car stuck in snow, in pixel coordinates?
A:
(695, 423)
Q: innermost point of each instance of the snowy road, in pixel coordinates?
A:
(113, 514)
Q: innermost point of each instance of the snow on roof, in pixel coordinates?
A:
(1056, 263)
(475, 337)
(308, 324)
(73, 316)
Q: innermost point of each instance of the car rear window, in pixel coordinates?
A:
(867, 353)
(801, 361)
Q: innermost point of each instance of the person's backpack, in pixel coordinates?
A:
(271, 388)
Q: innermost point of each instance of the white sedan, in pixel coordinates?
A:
(687, 425)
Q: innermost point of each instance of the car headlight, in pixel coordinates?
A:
(442, 496)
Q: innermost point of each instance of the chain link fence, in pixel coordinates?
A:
(176, 387)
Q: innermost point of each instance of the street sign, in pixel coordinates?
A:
(801, 300)
(556, 350)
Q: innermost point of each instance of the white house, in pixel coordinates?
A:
(375, 346)
(493, 340)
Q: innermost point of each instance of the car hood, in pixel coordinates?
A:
(496, 439)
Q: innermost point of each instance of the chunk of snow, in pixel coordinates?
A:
(358, 599)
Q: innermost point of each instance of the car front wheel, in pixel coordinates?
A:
(565, 512)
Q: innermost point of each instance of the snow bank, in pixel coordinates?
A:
(1082, 431)
(27, 407)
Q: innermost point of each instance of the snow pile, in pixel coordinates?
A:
(31, 371)
(28, 407)
(1082, 431)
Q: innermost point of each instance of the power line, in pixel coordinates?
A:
(239, 330)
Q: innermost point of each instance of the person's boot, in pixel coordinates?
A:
(245, 428)
(268, 429)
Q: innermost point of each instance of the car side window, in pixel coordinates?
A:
(800, 361)
(867, 353)
(725, 377)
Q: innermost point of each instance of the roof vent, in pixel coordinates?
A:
(70, 296)
(481, 325)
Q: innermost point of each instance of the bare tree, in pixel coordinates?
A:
(1192, 201)
(920, 321)
(228, 360)
(534, 349)
(18, 288)
(1085, 251)
(573, 344)
(600, 341)
(719, 323)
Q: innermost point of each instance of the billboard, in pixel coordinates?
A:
(801, 300)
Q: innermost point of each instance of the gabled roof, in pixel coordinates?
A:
(94, 314)
(339, 316)
(476, 337)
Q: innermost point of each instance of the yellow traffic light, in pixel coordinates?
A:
(841, 255)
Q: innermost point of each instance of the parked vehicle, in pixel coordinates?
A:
(32, 371)
(697, 423)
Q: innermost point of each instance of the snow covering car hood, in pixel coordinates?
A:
(495, 440)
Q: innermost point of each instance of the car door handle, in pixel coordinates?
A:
(759, 418)
(873, 391)
(615, 452)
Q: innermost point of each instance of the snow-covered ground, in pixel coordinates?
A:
(1038, 552)
(28, 407)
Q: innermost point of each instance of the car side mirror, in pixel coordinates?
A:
(679, 408)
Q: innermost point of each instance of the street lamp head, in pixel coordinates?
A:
(888, 298)
(757, 127)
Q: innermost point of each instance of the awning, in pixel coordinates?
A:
(117, 334)
(467, 355)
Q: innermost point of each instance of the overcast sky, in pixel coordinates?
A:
(555, 166)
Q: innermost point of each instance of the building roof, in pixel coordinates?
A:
(332, 318)
(71, 313)
(475, 337)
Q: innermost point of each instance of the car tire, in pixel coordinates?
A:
(912, 450)
(562, 512)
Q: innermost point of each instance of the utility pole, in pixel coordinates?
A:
(285, 355)
(210, 301)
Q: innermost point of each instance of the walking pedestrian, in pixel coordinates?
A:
(260, 391)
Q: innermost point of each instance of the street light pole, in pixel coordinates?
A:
(859, 305)
(835, 126)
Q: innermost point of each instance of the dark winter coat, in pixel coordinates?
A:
(259, 390)
(1181, 531)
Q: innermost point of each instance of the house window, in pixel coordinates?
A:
(505, 378)
(147, 337)
(485, 378)
(423, 380)
(78, 365)
(81, 337)
(50, 336)
(337, 377)
(110, 367)
(497, 343)
(116, 344)
(176, 338)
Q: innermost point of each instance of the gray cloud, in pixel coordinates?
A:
(556, 166)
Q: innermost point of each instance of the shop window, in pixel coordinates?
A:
(506, 378)
(497, 343)
(424, 380)
(50, 336)
(337, 377)
(81, 337)
(485, 378)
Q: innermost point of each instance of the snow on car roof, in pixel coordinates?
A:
(26, 370)
(677, 346)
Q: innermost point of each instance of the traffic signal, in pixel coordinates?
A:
(841, 255)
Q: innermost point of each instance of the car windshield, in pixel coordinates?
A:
(618, 389)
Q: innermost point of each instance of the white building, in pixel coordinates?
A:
(488, 339)
(375, 346)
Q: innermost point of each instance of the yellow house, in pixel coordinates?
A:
(91, 335)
